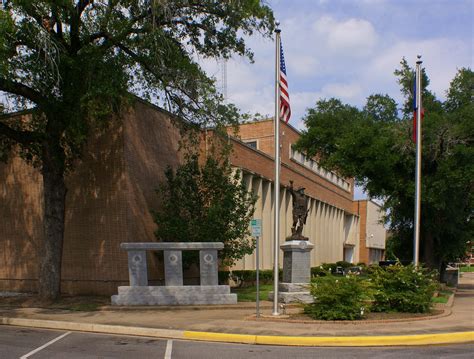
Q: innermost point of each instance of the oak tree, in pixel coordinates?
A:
(374, 146)
(73, 63)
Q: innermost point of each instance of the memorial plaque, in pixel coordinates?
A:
(173, 268)
(208, 267)
(137, 269)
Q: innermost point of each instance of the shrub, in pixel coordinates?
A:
(324, 268)
(205, 203)
(338, 297)
(402, 288)
(318, 271)
(344, 264)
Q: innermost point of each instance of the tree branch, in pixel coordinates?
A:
(128, 30)
(23, 137)
(19, 89)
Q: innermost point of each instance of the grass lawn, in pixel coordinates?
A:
(439, 299)
(466, 269)
(249, 294)
(442, 297)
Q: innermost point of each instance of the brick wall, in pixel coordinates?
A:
(20, 225)
(249, 159)
(360, 207)
(109, 197)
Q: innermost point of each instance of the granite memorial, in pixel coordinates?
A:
(173, 292)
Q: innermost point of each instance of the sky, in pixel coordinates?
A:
(349, 49)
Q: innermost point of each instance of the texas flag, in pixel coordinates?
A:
(415, 108)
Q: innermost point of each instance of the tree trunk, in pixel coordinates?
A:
(54, 192)
(429, 257)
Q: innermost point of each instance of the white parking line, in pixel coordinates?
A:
(169, 348)
(27, 355)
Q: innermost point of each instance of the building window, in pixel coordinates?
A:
(252, 144)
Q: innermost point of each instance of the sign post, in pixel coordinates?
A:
(256, 226)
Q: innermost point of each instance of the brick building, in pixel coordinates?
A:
(372, 232)
(112, 190)
(332, 224)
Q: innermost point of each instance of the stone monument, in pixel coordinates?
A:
(173, 292)
(296, 255)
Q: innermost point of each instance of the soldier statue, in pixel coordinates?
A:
(300, 212)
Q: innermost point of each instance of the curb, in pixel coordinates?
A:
(93, 328)
(446, 312)
(359, 341)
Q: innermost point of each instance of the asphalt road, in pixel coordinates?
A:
(16, 342)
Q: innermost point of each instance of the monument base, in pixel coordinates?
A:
(174, 295)
(296, 273)
(293, 293)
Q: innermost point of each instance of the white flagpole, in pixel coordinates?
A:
(416, 235)
(276, 194)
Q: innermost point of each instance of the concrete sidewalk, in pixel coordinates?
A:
(202, 323)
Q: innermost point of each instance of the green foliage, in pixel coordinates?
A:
(343, 264)
(206, 204)
(374, 146)
(329, 267)
(76, 62)
(339, 297)
(320, 270)
(74, 65)
(381, 108)
(403, 288)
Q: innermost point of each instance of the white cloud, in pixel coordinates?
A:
(353, 37)
(305, 65)
(300, 102)
(441, 58)
(345, 91)
(259, 100)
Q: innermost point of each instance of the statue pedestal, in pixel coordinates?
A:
(296, 273)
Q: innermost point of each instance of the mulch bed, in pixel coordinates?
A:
(377, 316)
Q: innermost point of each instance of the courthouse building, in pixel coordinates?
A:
(332, 224)
(113, 188)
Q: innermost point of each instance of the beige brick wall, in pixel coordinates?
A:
(109, 196)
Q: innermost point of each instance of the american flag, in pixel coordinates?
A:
(285, 110)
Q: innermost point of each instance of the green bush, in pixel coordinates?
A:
(318, 271)
(401, 288)
(324, 268)
(339, 297)
(344, 264)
